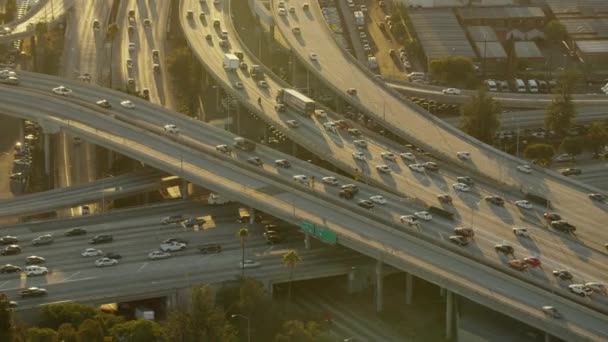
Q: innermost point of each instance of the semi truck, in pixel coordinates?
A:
(296, 101)
(256, 71)
(359, 18)
(231, 62)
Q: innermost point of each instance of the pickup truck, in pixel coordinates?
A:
(172, 247)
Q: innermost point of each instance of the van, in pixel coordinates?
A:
(244, 144)
(43, 240)
(491, 85)
(216, 23)
(520, 86)
(542, 86)
(532, 86)
(36, 270)
(224, 34)
(415, 76)
(503, 86)
(223, 43)
(244, 215)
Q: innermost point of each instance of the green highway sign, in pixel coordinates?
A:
(326, 235)
(307, 227)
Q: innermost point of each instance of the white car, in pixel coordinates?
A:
(173, 246)
(523, 204)
(171, 129)
(461, 187)
(127, 104)
(292, 123)
(89, 252)
(301, 179)
(63, 91)
(320, 113)
(383, 168)
(378, 199)
(103, 262)
(36, 270)
(524, 168)
(263, 84)
(330, 180)
(597, 287)
(330, 126)
(358, 155)
(282, 12)
(388, 156)
(22, 162)
(238, 85)
(521, 232)
(416, 167)
(314, 57)
(564, 158)
(131, 46)
(158, 255)
(464, 155)
(580, 290)
(360, 143)
(408, 219)
(249, 264)
(451, 91)
(424, 215)
(408, 156)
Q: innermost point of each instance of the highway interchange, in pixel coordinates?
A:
(556, 250)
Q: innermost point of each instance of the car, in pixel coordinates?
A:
(562, 274)
(496, 200)
(465, 180)
(519, 265)
(424, 215)
(552, 216)
(564, 158)
(416, 167)
(127, 104)
(18, 176)
(463, 155)
(597, 197)
(459, 240)
(445, 198)
(223, 148)
(129, 63)
(292, 9)
(347, 194)
(43, 240)
(354, 132)
(351, 91)
(280, 107)
(461, 187)
(524, 204)
(350, 187)
(320, 113)
(296, 30)
(172, 219)
(284, 163)
(112, 255)
(147, 22)
(330, 180)
(571, 171)
(8, 240)
(190, 223)
(533, 261)
(208, 37)
(383, 169)
(408, 219)
(155, 54)
(75, 232)
(36, 270)
(358, 155)
(367, 204)
(597, 287)
(303, 179)
(330, 126)
(63, 91)
(314, 57)
(11, 80)
(103, 262)
(255, 161)
(22, 162)
(34, 260)
(524, 168)
(273, 237)
(249, 264)
(360, 143)
(155, 255)
(521, 232)
(282, 12)
(210, 248)
(156, 67)
(504, 249)
(466, 232)
(292, 123)
(172, 129)
(32, 292)
(430, 166)
(173, 246)
(451, 91)
(551, 312)
(563, 226)
(408, 156)
(263, 84)
(238, 85)
(104, 103)
(101, 238)
(580, 289)
(378, 199)
(89, 252)
(305, 6)
(8, 268)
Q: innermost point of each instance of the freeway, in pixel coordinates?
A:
(105, 189)
(284, 199)
(49, 12)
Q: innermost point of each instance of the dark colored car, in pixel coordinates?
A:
(8, 240)
(350, 187)
(348, 194)
(32, 292)
(459, 240)
(505, 249)
(365, 204)
(563, 226)
(283, 163)
(104, 103)
(11, 250)
(8, 268)
(597, 197)
(34, 260)
(571, 171)
(210, 248)
(431, 166)
(354, 132)
(563, 274)
(102, 238)
(447, 199)
(496, 200)
(112, 255)
(75, 232)
(273, 228)
(552, 216)
(255, 161)
(465, 180)
(273, 237)
(195, 221)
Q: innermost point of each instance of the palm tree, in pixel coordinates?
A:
(242, 234)
(111, 34)
(291, 259)
(480, 117)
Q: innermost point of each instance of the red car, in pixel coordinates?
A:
(343, 124)
(533, 261)
(447, 199)
(552, 216)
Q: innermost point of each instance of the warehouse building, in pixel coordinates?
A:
(491, 53)
(502, 17)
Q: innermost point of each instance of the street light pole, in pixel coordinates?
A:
(248, 325)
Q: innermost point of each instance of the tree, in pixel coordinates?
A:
(567, 80)
(560, 113)
(555, 32)
(53, 315)
(597, 137)
(41, 335)
(108, 320)
(298, 331)
(480, 117)
(291, 259)
(10, 10)
(242, 234)
(138, 331)
(572, 145)
(454, 70)
(263, 312)
(6, 319)
(90, 330)
(41, 29)
(67, 333)
(544, 152)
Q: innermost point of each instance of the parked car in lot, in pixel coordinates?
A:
(563, 226)
(367, 204)
(89, 252)
(284, 163)
(519, 265)
(36, 270)
(330, 180)
(249, 264)
(461, 187)
(496, 200)
(597, 197)
(533, 261)
(8, 268)
(571, 171)
(409, 219)
(466, 232)
(431, 166)
(172, 247)
(551, 312)
(104, 262)
(172, 219)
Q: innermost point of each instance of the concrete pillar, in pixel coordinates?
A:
(171, 301)
(110, 158)
(449, 314)
(307, 241)
(251, 216)
(47, 154)
(409, 288)
(379, 294)
(442, 292)
(269, 288)
(238, 119)
(547, 337)
(351, 280)
(184, 189)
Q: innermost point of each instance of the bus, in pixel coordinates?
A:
(296, 101)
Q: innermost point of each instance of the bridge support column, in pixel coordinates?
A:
(351, 280)
(409, 288)
(379, 285)
(547, 337)
(171, 301)
(238, 119)
(183, 189)
(251, 215)
(47, 154)
(269, 288)
(307, 241)
(449, 314)
(442, 291)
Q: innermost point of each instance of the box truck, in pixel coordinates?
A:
(231, 61)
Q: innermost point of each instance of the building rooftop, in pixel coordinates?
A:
(482, 33)
(578, 8)
(472, 13)
(440, 34)
(589, 28)
(527, 49)
(592, 46)
(490, 50)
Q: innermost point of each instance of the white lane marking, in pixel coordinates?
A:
(72, 276)
(3, 283)
(142, 267)
(72, 280)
